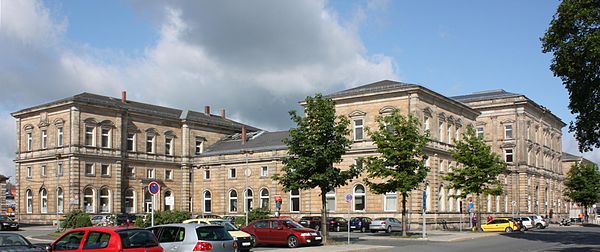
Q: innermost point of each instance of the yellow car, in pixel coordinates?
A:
(500, 224)
(245, 241)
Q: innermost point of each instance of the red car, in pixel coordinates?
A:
(282, 232)
(105, 239)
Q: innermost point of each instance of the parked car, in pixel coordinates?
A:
(194, 237)
(313, 222)
(230, 219)
(500, 224)
(100, 220)
(387, 224)
(245, 241)
(360, 223)
(526, 221)
(106, 239)
(282, 231)
(539, 221)
(208, 216)
(337, 224)
(126, 220)
(16, 242)
(7, 223)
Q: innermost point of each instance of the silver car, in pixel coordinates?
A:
(386, 224)
(194, 237)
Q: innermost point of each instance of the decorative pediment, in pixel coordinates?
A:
(386, 110)
(450, 119)
(428, 111)
(170, 133)
(357, 113)
(151, 131)
(59, 122)
(131, 127)
(458, 122)
(442, 116)
(508, 121)
(508, 145)
(28, 127)
(107, 123)
(478, 123)
(90, 121)
(43, 124)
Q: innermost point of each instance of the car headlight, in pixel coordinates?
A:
(305, 234)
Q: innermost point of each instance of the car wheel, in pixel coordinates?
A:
(363, 229)
(388, 229)
(539, 226)
(292, 242)
(337, 229)
(508, 230)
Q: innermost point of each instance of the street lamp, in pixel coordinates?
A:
(247, 173)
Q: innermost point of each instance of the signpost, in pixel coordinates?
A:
(153, 189)
(424, 208)
(349, 200)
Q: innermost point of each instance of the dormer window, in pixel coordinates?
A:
(199, 145)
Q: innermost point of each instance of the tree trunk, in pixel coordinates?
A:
(404, 217)
(585, 214)
(324, 231)
(478, 213)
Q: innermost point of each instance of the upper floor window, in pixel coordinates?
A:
(169, 146)
(426, 123)
(130, 141)
(232, 173)
(528, 132)
(441, 130)
(150, 143)
(29, 141)
(508, 155)
(264, 171)
(456, 135)
(89, 136)
(130, 172)
(480, 132)
(449, 134)
(29, 171)
(508, 131)
(89, 169)
(199, 145)
(168, 175)
(105, 138)
(358, 130)
(44, 139)
(43, 171)
(59, 169)
(59, 137)
(149, 173)
(104, 170)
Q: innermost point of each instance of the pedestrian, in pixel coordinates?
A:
(489, 218)
(474, 221)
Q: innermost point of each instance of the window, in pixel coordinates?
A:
(105, 138)
(441, 130)
(359, 198)
(295, 201)
(330, 201)
(89, 169)
(480, 133)
(508, 131)
(359, 163)
(130, 141)
(29, 171)
(390, 201)
(497, 203)
(264, 171)
(449, 134)
(207, 173)
(70, 241)
(248, 200)
(29, 141)
(168, 175)
(43, 171)
(175, 234)
(150, 143)
(489, 203)
(29, 201)
(231, 173)
(169, 201)
(169, 146)
(450, 200)
(130, 172)
(207, 202)
(44, 201)
(130, 201)
(104, 170)
(426, 122)
(358, 130)
(149, 173)
(528, 132)
(147, 201)
(96, 240)
(60, 200)
(264, 198)
(199, 145)
(59, 137)
(89, 203)
(508, 155)
(59, 169)
(232, 201)
(104, 200)
(457, 134)
(441, 199)
(44, 139)
(89, 136)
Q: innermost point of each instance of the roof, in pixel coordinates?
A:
(143, 108)
(485, 95)
(255, 141)
(384, 85)
(570, 157)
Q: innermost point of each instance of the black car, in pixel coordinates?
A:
(313, 222)
(360, 223)
(6, 223)
(337, 224)
(126, 220)
(16, 242)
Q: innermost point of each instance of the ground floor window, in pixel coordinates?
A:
(232, 201)
(359, 198)
(130, 201)
(29, 201)
(264, 198)
(330, 201)
(44, 201)
(207, 202)
(169, 201)
(60, 200)
(147, 201)
(390, 201)
(89, 203)
(295, 201)
(105, 200)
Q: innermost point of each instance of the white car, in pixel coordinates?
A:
(386, 224)
(539, 221)
(100, 220)
(526, 221)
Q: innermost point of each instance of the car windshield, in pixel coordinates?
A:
(137, 238)
(226, 224)
(381, 219)
(212, 233)
(4, 218)
(11, 240)
(291, 224)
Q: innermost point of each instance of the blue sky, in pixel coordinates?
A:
(257, 60)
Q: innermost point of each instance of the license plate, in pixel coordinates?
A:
(352, 226)
(317, 238)
(245, 243)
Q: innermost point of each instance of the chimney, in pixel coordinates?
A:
(243, 134)
(123, 96)
(223, 113)
(207, 110)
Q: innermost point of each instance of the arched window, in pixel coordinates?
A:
(60, 200)
(441, 199)
(207, 202)
(130, 201)
(428, 205)
(264, 198)
(44, 201)
(359, 198)
(497, 203)
(450, 200)
(489, 203)
(529, 203)
(295, 201)
(105, 200)
(89, 203)
(458, 200)
(330, 201)
(232, 201)
(506, 203)
(248, 200)
(169, 201)
(29, 201)
(147, 201)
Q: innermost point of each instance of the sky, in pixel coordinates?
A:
(257, 59)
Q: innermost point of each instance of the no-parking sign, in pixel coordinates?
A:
(153, 188)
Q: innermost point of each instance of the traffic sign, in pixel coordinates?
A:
(348, 197)
(153, 187)
(470, 205)
(424, 200)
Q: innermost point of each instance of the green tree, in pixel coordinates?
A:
(574, 39)
(401, 165)
(582, 185)
(314, 147)
(479, 171)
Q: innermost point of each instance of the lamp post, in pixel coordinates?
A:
(247, 173)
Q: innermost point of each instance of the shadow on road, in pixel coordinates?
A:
(582, 236)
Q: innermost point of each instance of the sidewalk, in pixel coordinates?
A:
(436, 235)
(335, 248)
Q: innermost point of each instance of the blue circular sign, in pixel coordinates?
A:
(348, 197)
(153, 187)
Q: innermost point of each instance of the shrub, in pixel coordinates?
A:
(163, 217)
(258, 214)
(77, 218)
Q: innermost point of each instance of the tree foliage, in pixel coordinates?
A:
(582, 184)
(480, 169)
(314, 146)
(77, 218)
(163, 217)
(401, 166)
(574, 39)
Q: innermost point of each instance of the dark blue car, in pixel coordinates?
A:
(360, 223)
